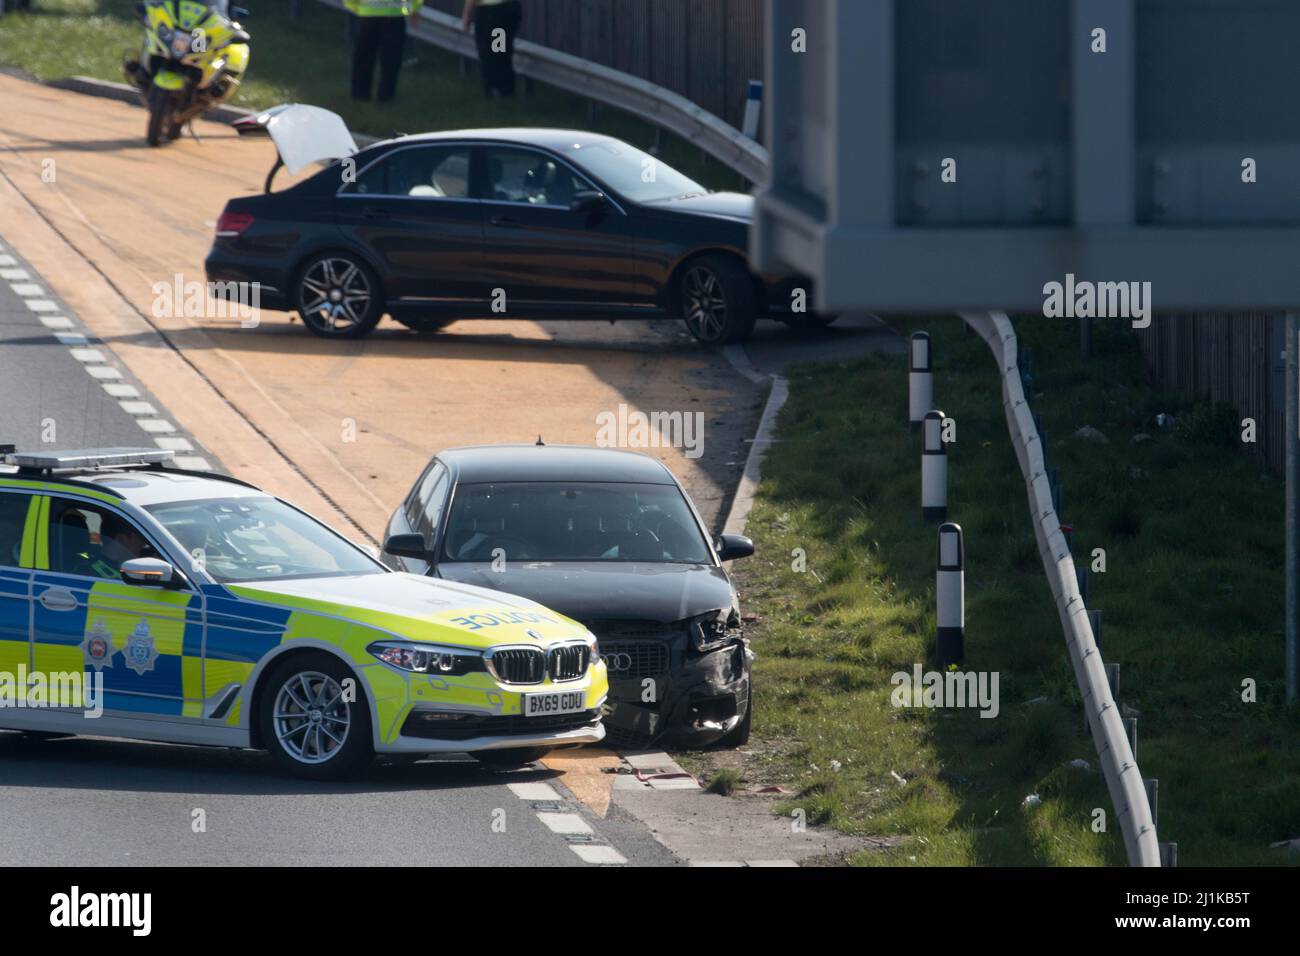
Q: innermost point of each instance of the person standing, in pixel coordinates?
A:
(496, 50)
(380, 30)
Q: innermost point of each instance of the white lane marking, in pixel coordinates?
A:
(564, 823)
(716, 863)
(192, 463)
(122, 390)
(90, 356)
(138, 408)
(70, 338)
(155, 426)
(41, 305)
(168, 443)
(533, 791)
(8, 261)
(27, 289)
(14, 275)
(598, 854)
(56, 322)
(102, 371)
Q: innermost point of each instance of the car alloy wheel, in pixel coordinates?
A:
(705, 304)
(336, 297)
(311, 718)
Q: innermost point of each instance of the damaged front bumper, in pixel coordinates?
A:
(697, 702)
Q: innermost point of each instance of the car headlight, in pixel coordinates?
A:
(594, 645)
(709, 631)
(427, 658)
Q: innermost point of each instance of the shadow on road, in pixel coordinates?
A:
(84, 763)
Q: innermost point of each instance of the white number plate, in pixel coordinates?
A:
(564, 702)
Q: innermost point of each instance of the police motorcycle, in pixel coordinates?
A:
(195, 55)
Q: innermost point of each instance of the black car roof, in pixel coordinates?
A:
(476, 464)
(527, 135)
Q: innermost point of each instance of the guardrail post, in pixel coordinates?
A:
(920, 379)
(1094, 619)
(1168, 854)
(1054, 482)
(950, 596)
(934, 469)
(1081, 572)
(1131, 731)
(1153, 798)
(1112, 679)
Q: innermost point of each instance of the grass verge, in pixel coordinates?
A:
(1192, 601)
(309, 61)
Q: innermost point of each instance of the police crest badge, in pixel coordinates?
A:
(139, 652)
(97, 647)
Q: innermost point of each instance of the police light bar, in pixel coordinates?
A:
(88, 458)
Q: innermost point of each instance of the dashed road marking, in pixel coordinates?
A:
(98, 366)
(564, 823)
(533, 791)
(595, 853)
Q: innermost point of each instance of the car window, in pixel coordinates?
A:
(525, 176)
(430, 172)
(432, 487)
(631, 172)
(573, 521)
(13, 519)
(260, 538)
(92, 541)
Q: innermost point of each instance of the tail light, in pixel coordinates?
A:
(231, 224)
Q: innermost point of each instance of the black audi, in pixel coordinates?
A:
(611, 539)
(518, 223)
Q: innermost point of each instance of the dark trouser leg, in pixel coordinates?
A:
(511, 14)
(390, 55)
(363, 55)
(483, 25)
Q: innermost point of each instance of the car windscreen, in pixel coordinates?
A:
(259, 539)
(573, 521)
(631, 172)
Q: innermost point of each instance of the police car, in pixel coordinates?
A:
(191, 607)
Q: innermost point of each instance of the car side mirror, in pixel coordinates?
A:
(407, 546)
(587, 201)
(732, 546)
(148, 572)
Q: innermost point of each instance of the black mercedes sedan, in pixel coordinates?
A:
(611, 539)
(498, 223)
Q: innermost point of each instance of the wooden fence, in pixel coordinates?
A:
(706, 50)
(1225, 358)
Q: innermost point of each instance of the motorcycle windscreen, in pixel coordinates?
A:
(302, 134)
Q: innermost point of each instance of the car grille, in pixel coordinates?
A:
(469, 726)
(631, 659)
(519, 665)
(568, 662)
(529, 665)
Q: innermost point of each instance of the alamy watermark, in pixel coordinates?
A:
(626, 428)
(943, 689)
(36, 690)
(208, 300)
(1082, 299)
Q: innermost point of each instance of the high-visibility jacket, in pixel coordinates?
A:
(383, 8)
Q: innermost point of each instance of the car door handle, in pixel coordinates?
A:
(57, 599)
(506, 222)
(373, 213)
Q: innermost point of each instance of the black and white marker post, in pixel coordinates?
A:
(920, 379)
(950, 596)
(934, 468)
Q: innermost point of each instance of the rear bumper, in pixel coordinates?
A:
(221, 267)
